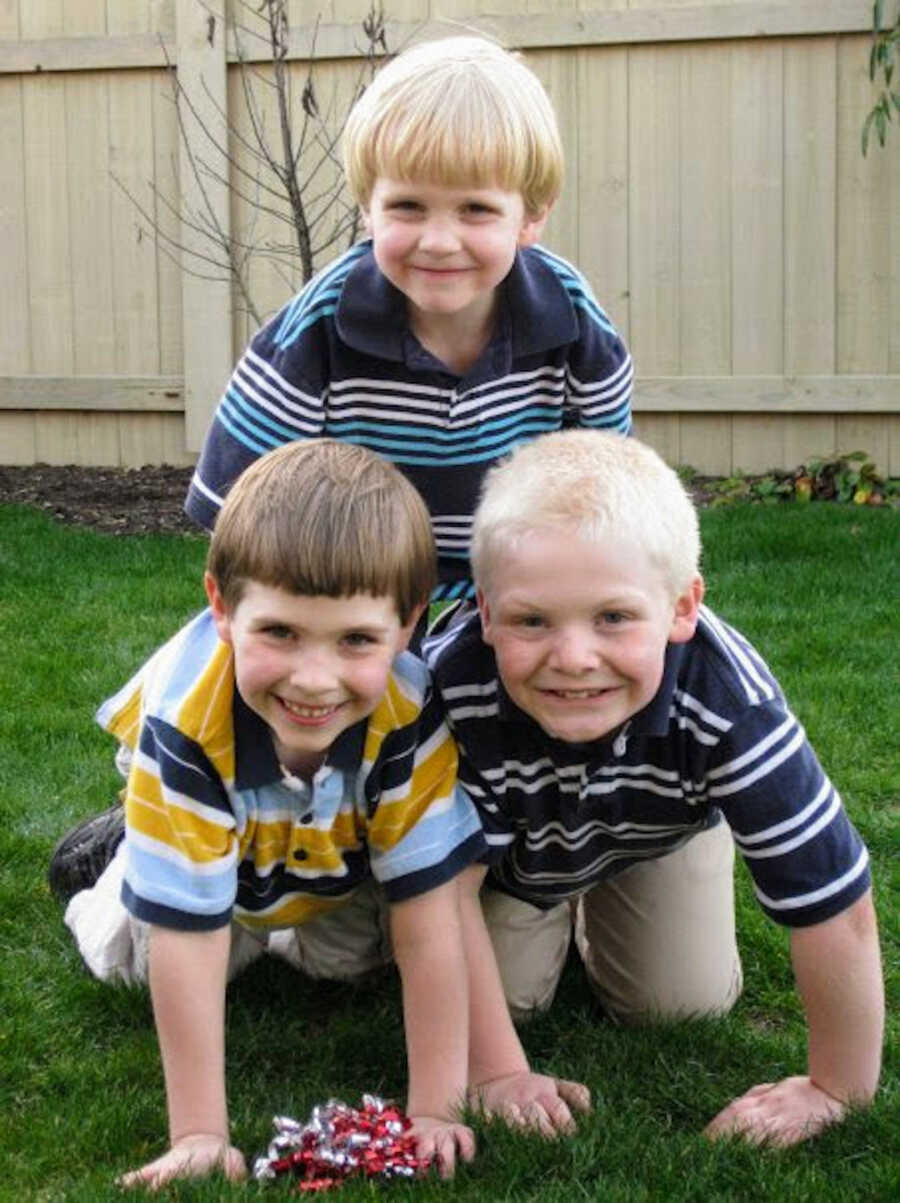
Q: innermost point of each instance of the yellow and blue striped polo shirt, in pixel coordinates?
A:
(216, 829)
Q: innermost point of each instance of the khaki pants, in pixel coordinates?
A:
(657, 940)
(344, 945)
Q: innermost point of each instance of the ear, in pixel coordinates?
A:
(484, 610)
(220, 614)
(533, 226)
(366, 218)
(687, 611)
(406, 632)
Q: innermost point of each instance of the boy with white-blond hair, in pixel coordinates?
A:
(618, 739)
(448, 336)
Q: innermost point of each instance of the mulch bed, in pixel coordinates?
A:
(133, 501)
(122, 501)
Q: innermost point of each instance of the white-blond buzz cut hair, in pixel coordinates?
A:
(459, 111)
(596, 485)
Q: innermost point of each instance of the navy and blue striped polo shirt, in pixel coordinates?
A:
(717, 740)
(340, 361)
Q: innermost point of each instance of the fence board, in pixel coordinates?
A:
(757, 206)
(601, 178)
(14, 309)
(654, 228)
(18, 438)
(810, 174)
(88, 199)
(864, 264)
(47, 223)
(705, 205)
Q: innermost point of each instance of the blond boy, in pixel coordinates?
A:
(448, 336)
(288, 756)
(618, 739)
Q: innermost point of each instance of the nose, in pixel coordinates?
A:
(438, 236)
(574, 651)
(312, 671)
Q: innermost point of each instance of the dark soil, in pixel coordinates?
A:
(129, 501)
(122, 501)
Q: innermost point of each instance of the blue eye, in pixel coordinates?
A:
(613, 618)
(275, 631)
(358, 639)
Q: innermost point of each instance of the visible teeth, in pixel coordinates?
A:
(578, 693)
(307, 711)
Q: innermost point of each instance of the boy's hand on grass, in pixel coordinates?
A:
(191, 1157)
(442, 1139)
(778, 1113)
(530, 1100)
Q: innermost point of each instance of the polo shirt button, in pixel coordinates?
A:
(300, 854)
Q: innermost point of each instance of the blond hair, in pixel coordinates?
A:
(459, 111)
(597, 485)
(325, 518)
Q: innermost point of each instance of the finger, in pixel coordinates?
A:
(445, 1148)
(575, 1094)
(512, 1115)
(465, 1139)
(537, 1119)
(234, 1165)
(560, 1116)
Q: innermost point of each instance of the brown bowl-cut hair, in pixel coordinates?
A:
(325, 518)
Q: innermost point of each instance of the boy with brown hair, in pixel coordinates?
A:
(287, 756)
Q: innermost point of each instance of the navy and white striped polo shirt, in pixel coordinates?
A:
(717, 740)
(340, 361)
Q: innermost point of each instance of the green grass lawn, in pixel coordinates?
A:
(817, 588)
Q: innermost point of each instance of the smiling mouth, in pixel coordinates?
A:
(579, 695)
(311, 715)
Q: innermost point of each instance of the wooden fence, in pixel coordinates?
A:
(716, 197)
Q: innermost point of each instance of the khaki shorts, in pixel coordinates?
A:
(345, 944)
(657, 940)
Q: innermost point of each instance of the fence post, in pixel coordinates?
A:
(206, 304)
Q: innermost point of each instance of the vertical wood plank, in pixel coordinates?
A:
(706, 443)
(663, 433)
(42, 18)
(164, 202)
(865, 432)
(654, 227)
(808, 437)
(602, 183)
(810, 99)
(705, 169)
(206, 305)
(757, 443)
(15, 350)
(49, 295)
(554, 69)
(864, 266)
(9, 20)
(87, 143)
(757, 199)
(18, 438)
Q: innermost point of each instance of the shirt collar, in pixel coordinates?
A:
(256, 764)
(536, 314)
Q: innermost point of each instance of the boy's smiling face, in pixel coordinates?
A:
(580, 630)
(310, 667)
(447, 248)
